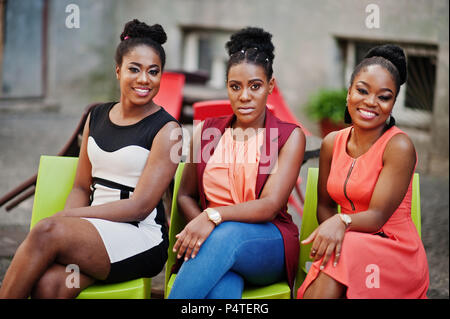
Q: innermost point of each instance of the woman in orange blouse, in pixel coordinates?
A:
(242, 230)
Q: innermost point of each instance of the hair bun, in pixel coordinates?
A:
(251, 37)
(138, 29)
(394, 54)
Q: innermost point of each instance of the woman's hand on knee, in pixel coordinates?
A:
(327, 240)
(193, 236)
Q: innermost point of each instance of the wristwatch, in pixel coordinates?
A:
(346, 219)
(213, 215)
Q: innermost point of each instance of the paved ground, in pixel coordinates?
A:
(24, 137)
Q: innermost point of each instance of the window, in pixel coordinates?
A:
(421, 82)
(21, 65)
(204, 50)
(414, 104)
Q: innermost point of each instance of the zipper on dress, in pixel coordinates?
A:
(345, 184)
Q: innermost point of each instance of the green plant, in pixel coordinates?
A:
(327, 104)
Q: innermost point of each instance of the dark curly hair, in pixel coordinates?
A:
(137, 33)
(251, 45)
(393, 59)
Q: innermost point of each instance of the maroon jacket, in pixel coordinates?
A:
(273, 143)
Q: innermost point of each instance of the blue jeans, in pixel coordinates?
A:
(232, 253)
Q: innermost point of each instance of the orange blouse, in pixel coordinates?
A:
(231, 172)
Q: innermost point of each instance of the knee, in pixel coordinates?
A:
(46, 231)
(225, 232)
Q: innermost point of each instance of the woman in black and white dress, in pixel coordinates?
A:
(113, 226)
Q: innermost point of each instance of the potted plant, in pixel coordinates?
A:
(328, 106)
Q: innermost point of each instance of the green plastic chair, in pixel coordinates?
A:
(415, 204)
(309, 221)
(278, 290)
(55, 179)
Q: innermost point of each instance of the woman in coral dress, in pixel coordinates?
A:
(372, 249)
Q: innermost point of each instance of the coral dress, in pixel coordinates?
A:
(390, 263)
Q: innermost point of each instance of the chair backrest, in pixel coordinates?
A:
(56, 175)
(415, 204)
(170, 95)
(211, 108)
(309, 221)
(215, 108)
(176, 223)
(282, 110)
(275, 103)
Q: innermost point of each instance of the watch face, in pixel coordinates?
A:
(214, 215)
(347, 219)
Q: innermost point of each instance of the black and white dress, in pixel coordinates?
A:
(118, 155)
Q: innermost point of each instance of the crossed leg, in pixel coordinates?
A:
(324, 287)
(53, 284)
(232, 252)
(39, 265)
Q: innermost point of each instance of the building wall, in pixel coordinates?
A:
(80, 65)
(81, 60)
(307, 56)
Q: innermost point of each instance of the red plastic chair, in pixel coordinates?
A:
(282, 110)
(212, 108)
(275, 103)
(216, 108)
(170, 95)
